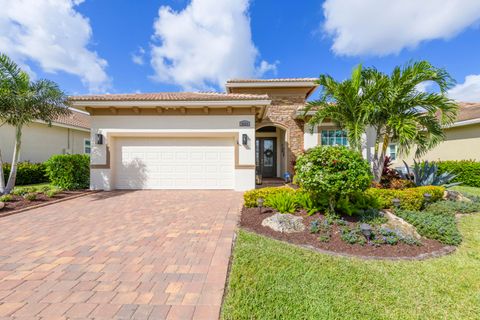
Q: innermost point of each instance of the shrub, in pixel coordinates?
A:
(410, 198)
(283, 202)
(251, 197)
(52, 193)
(30, 196)
(27, 173)
(466, 171)
(69, 171)
(453, 207)
(6, 198)
(333, 171)
(433, 226)
(311, 204)
(427, 174)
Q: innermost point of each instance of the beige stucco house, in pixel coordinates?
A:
(67, 134)
(187, 140)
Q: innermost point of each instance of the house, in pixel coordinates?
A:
(67, 134)
(184, 140)
(462, 138)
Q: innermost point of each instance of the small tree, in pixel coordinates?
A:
(348, 104)
(23, 101)
(413, 120)
(334, 171)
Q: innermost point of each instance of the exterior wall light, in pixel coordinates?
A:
(244, 139)
(99, 139)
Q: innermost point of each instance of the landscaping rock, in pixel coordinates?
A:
(2, 205)
(397, 223)
(287, 223)
(455, 196)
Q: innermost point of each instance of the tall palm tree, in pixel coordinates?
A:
(23, 101)
(412, 119)
(348, 104)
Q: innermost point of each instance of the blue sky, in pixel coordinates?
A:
(111, 46)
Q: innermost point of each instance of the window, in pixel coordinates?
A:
(392, 151)
(334, 138)
(86, 146)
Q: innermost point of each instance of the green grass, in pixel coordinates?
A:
(468, 190)
(274, 280)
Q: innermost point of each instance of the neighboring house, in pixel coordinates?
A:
(202, 140)
(67, 134)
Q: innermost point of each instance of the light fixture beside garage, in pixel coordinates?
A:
(245, 139)
(99, 139)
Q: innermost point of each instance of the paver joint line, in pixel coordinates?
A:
(122, 254)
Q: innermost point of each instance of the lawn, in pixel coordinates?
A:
(274, 280)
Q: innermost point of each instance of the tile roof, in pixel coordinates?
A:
(171, 96)
(468, 111)
(272, 80)
(75, 119)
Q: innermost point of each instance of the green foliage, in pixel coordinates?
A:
(410, 198)
(30, 196)
(69, 171)
(311, 204)
(427, 174)
(6, 198)
(357, 203)
(466, 171)
(453, 207)
(433, 226)
(251, 197)
(352, 236)
(52, 193)
(27, 173)
(332, 171)
(283, 202)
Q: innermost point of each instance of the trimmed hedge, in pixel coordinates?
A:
(27, 173)
(410, 198)
(467, 171)
(69, 171)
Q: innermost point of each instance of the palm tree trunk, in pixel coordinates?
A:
(381, 159)
(16, 154)
(375, 161)
(2, 177)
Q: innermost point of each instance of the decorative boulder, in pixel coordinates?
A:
(287, 223)
(397, 223)
(2, 205)
(455, 196)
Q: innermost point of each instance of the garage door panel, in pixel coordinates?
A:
(161, 163)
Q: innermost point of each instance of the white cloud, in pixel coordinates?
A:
(379, 27)
(205, 44)
(138, 56)
(54, 35)
(469, 91)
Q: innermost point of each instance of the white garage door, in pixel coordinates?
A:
(174, 163)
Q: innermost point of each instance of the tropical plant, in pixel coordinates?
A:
(23, 101)
(332, 172)
(427, 174)
(401, 113)
(348, 104)
(283, 202)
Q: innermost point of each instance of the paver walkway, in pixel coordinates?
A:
(119, 255)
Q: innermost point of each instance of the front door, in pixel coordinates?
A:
(266, 157)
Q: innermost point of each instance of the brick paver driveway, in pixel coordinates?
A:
(119, 255)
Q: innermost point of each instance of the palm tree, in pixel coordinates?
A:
(413, 120)
(348, 104)
(23, 101)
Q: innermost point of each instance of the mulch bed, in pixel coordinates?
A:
(20, 203)
(251, 219)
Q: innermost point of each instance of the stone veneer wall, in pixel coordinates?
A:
(282, 111)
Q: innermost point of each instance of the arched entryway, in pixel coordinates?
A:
(271, 156)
